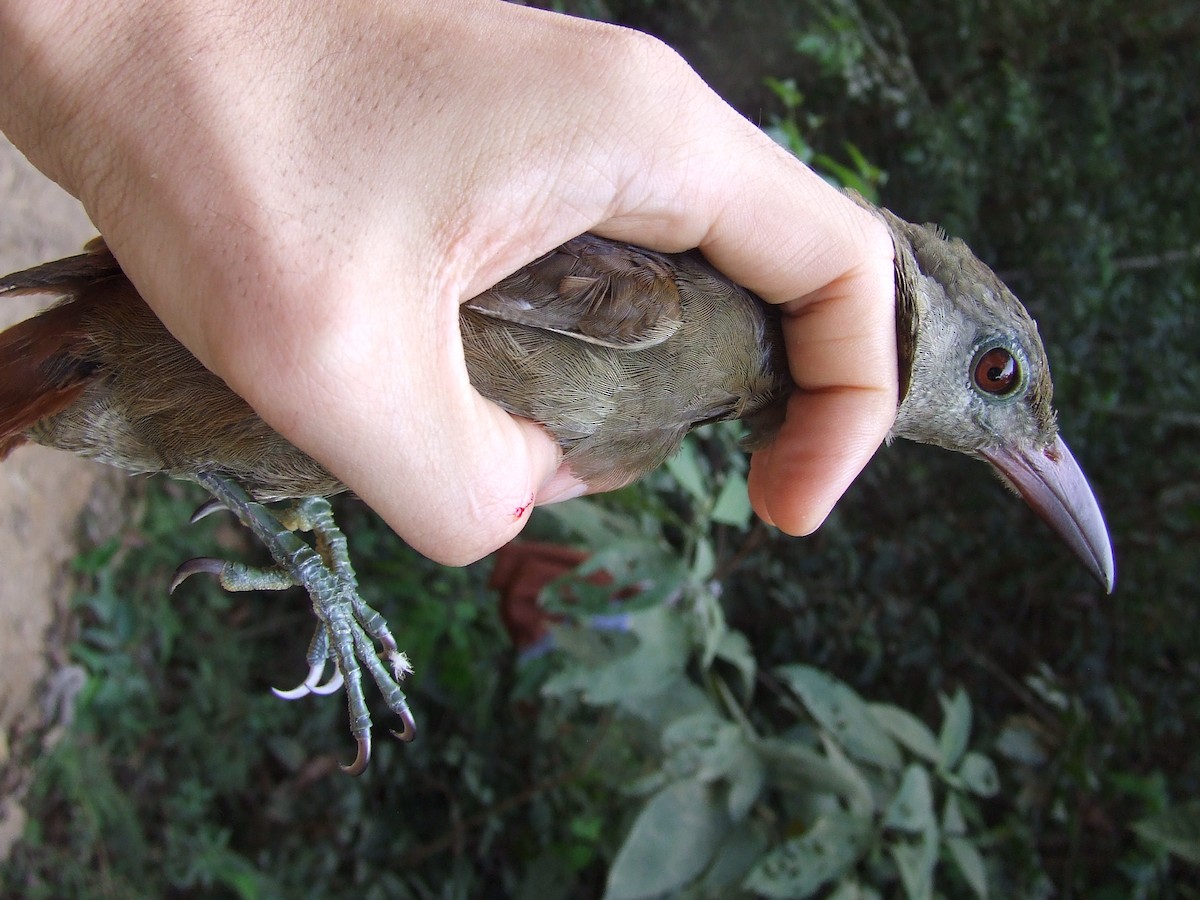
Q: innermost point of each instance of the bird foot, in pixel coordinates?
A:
(350, 633)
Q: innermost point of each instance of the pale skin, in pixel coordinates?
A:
(305, 193)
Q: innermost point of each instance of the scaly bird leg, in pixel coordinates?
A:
(348, 628)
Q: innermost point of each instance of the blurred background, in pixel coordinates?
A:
(927, 698)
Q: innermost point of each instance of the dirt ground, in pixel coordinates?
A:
(42, 495)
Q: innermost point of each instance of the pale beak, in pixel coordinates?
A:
(1054, 486)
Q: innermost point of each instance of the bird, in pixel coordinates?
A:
(617, 351)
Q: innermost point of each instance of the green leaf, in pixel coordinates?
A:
(708, 746)
(843, 714)
(704, 561)
(656, 661)
(793, 766)
(852, 890)
(785, 89)
(670, 843)
(1020, 741)
(733, 502)
(953, 822)
(860, 798)
(593, 523)
(740, 850)
(735, 650)
(746, 777)
(708, 749)
(798, 867)
(956, 729)
(1176, 830)
(916, 862)
(970, 864)
(979, 776)
(684, 466)
(906, 728)
(911, 808)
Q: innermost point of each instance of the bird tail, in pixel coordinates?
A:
(43, 360)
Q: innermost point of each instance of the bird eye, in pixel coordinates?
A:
(996, 371)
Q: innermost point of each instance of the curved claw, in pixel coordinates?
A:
(332, 686)
(186, 570)
(364, 756)
(300, 690)
(311, 683)
(410, 727)
(206, 509)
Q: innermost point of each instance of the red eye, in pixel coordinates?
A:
(996, 371)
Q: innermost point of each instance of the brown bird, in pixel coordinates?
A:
(617, 351)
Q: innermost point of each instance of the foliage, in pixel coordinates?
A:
(925, 698)
(813, 789)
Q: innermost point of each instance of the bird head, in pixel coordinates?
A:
(974, 378)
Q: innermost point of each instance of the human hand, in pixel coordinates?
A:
(306, 200)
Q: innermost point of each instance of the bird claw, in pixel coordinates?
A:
(206, 509)
(332, 686)
(186, 570)
(312, 683)
(362, 757)
(410, 727)
(300, 690)
(351, 634)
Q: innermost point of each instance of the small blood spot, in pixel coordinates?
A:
(524, 508)
(1052, 454)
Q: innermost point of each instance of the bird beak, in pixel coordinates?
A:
(1054, 486)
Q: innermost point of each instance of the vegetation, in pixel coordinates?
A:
(925, 699)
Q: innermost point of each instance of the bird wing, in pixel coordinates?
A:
(602, 292)
(44, 361)
(63, 276)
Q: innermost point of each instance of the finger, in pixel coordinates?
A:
(842, 351)
(776, 227)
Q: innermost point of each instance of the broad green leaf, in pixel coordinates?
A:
(916, 862)
(593, 523)
(746, 779)
(906, 728)
(956, 729)
(704, 561)
(656, 572)
(709, 746)
(670, 843)
(852, 890)
(684, 466)
(698, 727)
(970, 864)
(841, 712)
(656, 661)
(979, 776)
(741, 848)
(799, 867)
(1176, 830)
(911, 808)
(733, 503)
(707, 749)
(953, 822)
(736, 650)
(860, 798)
(793, 766)
(679, 697)
(1020, 741)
